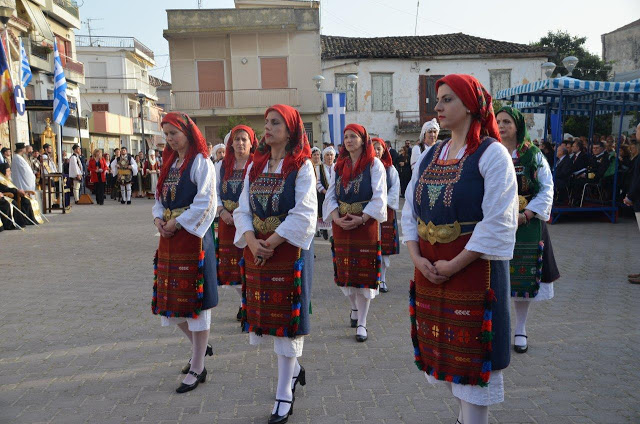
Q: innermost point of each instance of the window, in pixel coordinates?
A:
(352, 96)
(65, 49)
(211, 84)
(381, 92)
(99, 107)
(500, 80)
(308, 129)
(274, 72)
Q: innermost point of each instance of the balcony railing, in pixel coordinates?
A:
(229, 99)
(108, 41)
(408, 121)
(72, 122)
(72, 65)
(69, 5)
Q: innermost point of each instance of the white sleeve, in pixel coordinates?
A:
(218, 171)
(377, 206)
(319, 185)
(198, 218)
(134, 167)
(415, 154)
(157, 209)
(242, 216)
(543, 201)
(409, 219)
(299, 226)
(393, 195)
(495, 235)
(330, 200)
(114, 167)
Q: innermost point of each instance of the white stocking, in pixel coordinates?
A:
(128, 192)
(474, 414)
(450, 387)
(522, 309)
(123, 192)
(383, 269)
(286, 368)
(354, 306)
(200, 340)
(363, 309)
(239, 290)
(296, 372)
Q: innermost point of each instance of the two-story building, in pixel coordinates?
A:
(237, 62)
(395, 93)
(117, 83)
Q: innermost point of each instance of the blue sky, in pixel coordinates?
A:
(514, 21)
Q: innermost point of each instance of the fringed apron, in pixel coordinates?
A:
(453, 323)
(228, 256)
(357, 254)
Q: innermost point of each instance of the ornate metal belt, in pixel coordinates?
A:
(230, 205)
(352, 208)
(445, 233)
(172, 213)
(522, 202)
(267, 225)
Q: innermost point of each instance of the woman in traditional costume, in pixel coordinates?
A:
(356, 202)
(324, 172)
(151, 170)
(185, 288)
(533, 267)
(459, 223)
(239, 154)
(389, 237)
(275, 223)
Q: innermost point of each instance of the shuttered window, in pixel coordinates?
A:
(341, 85)
(500, 80)
(381, 92)
(100, 107)
(274, 72)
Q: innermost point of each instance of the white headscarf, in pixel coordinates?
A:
(315, 149)
(427, 126)
(327, 150)
(218, 147)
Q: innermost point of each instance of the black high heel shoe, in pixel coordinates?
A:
(209, 352)
(354, 322)
(200, 378)
(281, 419)
(300, 378)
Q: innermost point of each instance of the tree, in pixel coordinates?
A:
(232, 121)
(590, 66)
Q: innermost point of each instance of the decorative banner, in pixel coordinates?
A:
(18, 95)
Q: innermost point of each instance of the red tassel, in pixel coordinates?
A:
(280, 332)
(491, 295)
(449, 378)
(201, 257)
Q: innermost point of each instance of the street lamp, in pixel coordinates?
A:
(548, 68)
(141, 99)
(317, 80)
(352, 80)
(570, 63)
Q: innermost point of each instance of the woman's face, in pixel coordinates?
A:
(431, 136)
(506, 126)
(220, 153)
(176, 139)
(328, 158)
(378, 149)
(275, 129)
(452, 113)
(315, 157)
(98, 155)
(633, 149)
(352, 141)
(241, 145)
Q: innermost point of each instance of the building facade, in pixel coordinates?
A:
(230, 63)
(117, 84)
(395, 93)
(621, 48)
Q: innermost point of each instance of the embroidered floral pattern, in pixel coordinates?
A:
(232, 186)
(439, 175)
(267, 187)
(352, 187)
(170, 185)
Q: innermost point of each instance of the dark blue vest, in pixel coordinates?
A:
(358, 190)
(232, 187)
(178, 191)
(271, 195)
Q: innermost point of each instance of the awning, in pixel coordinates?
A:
(39, 21)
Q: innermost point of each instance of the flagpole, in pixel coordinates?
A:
(8, 54)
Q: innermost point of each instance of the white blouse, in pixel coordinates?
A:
(495, 235)
(299, 227)
(542, 203)
(198, 218)
(328, 171)
(377, 206)
(393, 195)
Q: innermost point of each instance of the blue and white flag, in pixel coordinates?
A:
(60, 102)
(336, 108)
(25, 68)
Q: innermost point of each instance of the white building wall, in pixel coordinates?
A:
(406, 82)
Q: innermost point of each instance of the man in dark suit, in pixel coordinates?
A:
(564, 168)
(598, 163)
(633, 198)
(580, 160)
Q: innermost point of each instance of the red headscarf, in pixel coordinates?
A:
(476, 98)
(197, 144)
(386, 155)
(230, 157)
(344, 167)
(298, 149)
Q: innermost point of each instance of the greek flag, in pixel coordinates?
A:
(60, 102)
(25, 68)
(336, 108)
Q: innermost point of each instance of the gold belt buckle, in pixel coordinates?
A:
(445, 233)
(352, 208)
(230, 205)
(166, 215)
(169, 213)
(269, 225)
(522, 203)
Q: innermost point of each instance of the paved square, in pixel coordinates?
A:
(78, 342)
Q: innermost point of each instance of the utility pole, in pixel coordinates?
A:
(89, 29)
(415, 32)
(199, 4)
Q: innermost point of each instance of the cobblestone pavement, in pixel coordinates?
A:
(78, 343)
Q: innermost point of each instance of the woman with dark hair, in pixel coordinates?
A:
(533, 267)
(275, 224)
(459, 223)
(239, 153)
(356, 202)
(185, 289)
